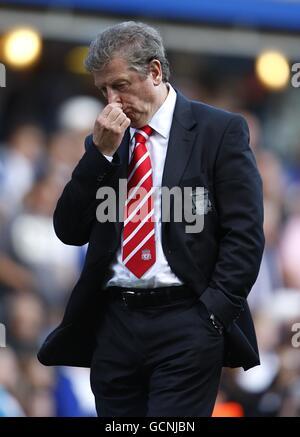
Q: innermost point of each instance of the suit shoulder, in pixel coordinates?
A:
(88, 142)
(212, 114)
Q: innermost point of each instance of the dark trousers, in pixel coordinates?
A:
(157, 361)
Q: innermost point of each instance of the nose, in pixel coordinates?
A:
(113, 96)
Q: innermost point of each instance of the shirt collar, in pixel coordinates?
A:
(162, 119)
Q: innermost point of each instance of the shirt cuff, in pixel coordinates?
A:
(110, 158)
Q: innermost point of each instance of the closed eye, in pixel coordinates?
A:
(121, 86)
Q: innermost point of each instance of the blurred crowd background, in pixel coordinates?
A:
(235, 55)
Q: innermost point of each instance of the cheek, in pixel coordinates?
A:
(144, 102)
(139, 101)
(135, 103)
(129, 100)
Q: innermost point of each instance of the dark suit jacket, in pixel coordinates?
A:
(208, 147)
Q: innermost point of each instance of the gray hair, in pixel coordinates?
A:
(137, 43)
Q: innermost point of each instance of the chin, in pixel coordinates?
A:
(135, 122)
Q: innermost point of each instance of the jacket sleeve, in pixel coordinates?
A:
(75, 212)
(239, 201)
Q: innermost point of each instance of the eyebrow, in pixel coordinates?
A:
(114, 83)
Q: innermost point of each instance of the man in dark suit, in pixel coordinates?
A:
(160, 305)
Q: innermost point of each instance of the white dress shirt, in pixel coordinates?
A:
(160, 274)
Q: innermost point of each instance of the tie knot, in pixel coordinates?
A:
(142, 134)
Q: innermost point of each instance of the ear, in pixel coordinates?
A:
(155, 71)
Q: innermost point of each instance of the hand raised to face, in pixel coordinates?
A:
(109, 128)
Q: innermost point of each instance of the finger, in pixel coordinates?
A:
(108, 108)
(106, 111)
(114, 114)
(126, 123)
(119, 119)
(108, 120)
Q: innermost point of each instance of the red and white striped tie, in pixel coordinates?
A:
(138, 248)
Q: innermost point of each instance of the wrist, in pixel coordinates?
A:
(105, 152)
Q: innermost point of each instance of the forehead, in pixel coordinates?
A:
(115, 70)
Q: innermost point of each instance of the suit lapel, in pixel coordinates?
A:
(181, 142)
